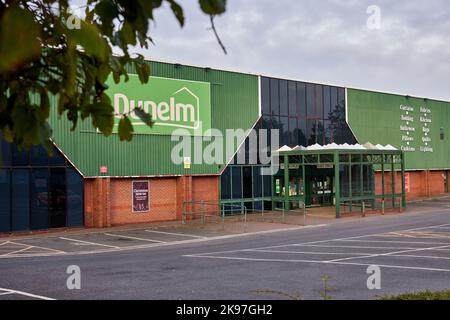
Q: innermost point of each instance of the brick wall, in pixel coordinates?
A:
(109, 201)
(421, 183)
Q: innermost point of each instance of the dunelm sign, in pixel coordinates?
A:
(173, 104)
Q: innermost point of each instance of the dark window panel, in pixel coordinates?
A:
(274, 97)
(301, 99)
(267, 181)
(293, 132)
(5, 200)
(257, 182)
(20, 199)
(293, 99)
(19, 158)
(302, 133)
(326, 102)
(284, 98)
(310, 100)
(265, 95)
(319, 101)
(57, 198)
(334, 98)
(329, 137)
(39, 218)
(75, 198)
(225, 184)
(247, 182)
(57, 159)
(236, 173)
(284, 130)
(5, 152)
(341, 97)
(38, 156)
(316, 132)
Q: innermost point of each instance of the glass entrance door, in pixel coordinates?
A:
(319, 190)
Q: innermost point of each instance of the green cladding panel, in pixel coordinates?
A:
(419, 127)
(234, 104)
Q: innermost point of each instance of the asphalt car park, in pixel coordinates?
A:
(426, 248)
(92, 242)
(412, 249)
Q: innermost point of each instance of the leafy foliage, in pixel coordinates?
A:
(46, 50)
(424, 295)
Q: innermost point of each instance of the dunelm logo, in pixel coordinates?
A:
(181, 110)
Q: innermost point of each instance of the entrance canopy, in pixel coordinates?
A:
(344, 176)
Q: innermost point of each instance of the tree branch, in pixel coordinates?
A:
(213, 28)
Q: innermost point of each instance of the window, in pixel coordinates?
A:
(257, 182)
(301, 99)
(292, 99)
(310, 101)
(5, 200)
(247, 182)
(274, 97)
(442, 134)
(19, 158)
(20, 200)
(265, 95)
(236, 176)
(5, 153)
(39, 199)
(284, 98)
(326, 102)
(75, 198)
(225, 184)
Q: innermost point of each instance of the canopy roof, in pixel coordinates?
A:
(339, 147)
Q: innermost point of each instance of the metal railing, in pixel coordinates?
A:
(287, 208)
(209, 211)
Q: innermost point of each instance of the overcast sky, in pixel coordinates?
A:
(323, 41)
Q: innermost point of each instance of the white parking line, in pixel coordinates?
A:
(353, 247)
(43, 248)
(91, 243)
(133, 238)
(26, 294)
(309, 252)
(388, 241)
(318, 261)
(389, 253)
(177, 234)
(17, 251)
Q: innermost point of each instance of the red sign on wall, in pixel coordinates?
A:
(407, 183)
(104, 169)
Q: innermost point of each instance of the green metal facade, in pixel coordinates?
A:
(234, 105)
(419, 127)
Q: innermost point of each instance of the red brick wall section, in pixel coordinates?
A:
(422, 184)
(163, 201)
(109, 201)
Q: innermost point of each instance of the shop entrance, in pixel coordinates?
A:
(319, 187)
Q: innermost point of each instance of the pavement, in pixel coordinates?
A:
(236, 260)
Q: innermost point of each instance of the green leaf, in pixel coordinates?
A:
(102, 117)
(125, 129)
(19, 38)
(177, 11)
(88, 36)
(127, 35)
(213, 7)
(144, 116)
(8, 135)
(107, 11)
